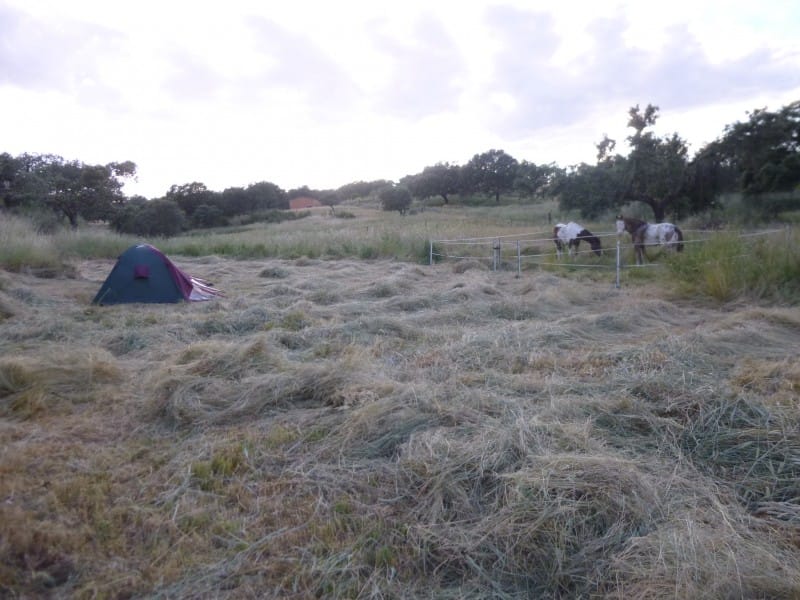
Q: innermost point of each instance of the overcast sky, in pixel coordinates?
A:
(324, 93)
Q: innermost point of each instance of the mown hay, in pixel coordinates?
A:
(378, 429)
(709, 553)
(221, 384)
(55, 381)
(744, 443)
(547, 528)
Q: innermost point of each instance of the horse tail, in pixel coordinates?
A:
(679, 246)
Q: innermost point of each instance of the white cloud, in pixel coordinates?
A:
(322, 94)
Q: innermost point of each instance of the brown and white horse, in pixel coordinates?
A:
(647, 234)
(571, 235)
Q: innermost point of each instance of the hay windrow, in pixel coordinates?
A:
(379, 429)
(227, 383)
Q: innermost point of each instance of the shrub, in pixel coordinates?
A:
(395, 198)
(150, 218)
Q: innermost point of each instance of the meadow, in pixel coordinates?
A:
(349, 421)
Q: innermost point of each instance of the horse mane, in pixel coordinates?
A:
(633, 222)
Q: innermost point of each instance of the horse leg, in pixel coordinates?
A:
(558, 248)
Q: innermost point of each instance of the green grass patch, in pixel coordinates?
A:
(22, 247)
(729, 266)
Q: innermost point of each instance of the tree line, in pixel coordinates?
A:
(759, 157)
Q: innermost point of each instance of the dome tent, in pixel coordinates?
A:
(144, 274)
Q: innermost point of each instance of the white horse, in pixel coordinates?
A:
(648, 234)
(570, 236)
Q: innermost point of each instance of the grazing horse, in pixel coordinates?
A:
(647, 234)
(570, 236)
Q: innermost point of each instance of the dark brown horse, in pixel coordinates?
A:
(644, 234)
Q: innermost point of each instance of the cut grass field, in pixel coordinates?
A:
(382, 428)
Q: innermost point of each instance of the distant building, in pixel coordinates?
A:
(304, 202)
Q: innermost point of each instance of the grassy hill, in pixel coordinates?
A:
(381, 428)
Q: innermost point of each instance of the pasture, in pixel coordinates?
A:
(337, 427)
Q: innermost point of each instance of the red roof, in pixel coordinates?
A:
(303, 202)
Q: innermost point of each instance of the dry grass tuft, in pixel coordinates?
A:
(462, 266)
(777, 380)
(706, 554)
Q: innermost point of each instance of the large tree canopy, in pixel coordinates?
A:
(395, 197)
(492, 172)
(361, 189)
(71, 189)
(139, 216)
(535, 180)
(263, 195)
(441, 179)
(592, 189)
(763, 151)
(190, 196)
(656, 172)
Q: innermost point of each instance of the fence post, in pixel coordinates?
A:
(430, 254)
(519, 261)
(618, 261)
(496, 253)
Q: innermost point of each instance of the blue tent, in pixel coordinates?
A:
(144, 274)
